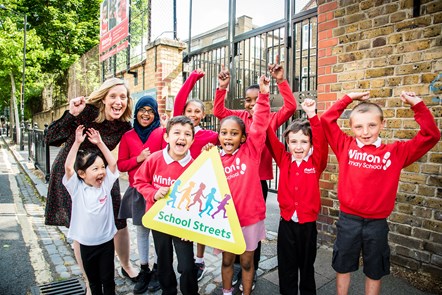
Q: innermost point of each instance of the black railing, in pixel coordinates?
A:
(39, 150)
(293, 39)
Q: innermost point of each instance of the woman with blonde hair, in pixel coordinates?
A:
(108, 110)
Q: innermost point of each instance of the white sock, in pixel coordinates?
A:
(199, 259)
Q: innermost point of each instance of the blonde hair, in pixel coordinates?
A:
(97, 96)
(365, 107)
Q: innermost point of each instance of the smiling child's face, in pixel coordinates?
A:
(230, 136)
(194, 112)
(298, 144)
(366, 126)
(250, 100)
(94, 174)
(179, 138)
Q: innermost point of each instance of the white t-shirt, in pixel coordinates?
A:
(92, 216)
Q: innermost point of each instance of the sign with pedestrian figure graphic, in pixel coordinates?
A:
(199, 207)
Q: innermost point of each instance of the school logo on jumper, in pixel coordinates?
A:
(369, 161)
(199, 206)
(310, 170)
(235, 169)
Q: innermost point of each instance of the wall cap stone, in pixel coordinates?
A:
(168, 42)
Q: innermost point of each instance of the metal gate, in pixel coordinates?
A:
(247, 55)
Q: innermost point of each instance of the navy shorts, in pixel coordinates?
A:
(356, 234)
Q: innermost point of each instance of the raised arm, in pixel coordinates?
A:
(72, 155)
(183, 94)
(60, 130)
(219, 109)
(95, 138)
(276, 148)
(261, 116)
(428, 135)
(320, 147)
(335, 136)
(289, 106)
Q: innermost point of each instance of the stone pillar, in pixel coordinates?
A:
(164, 68)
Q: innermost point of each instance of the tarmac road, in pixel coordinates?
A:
(16, 272)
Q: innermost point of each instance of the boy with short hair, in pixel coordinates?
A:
(369, 172)
(299, 199)
(170, 163)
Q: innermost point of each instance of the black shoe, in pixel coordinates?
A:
(143, 281)
(236, 274)
(201, 270)
(154, 284)
(125, 274)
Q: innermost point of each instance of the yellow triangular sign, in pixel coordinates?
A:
(199, 207)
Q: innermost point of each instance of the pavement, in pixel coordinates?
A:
(59, 261)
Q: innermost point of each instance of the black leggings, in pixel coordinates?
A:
(98, 263)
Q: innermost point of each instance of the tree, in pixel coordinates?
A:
(11, 59)
(69, 28)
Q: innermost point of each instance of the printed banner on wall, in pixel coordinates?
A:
(199, 207)
(114, 23)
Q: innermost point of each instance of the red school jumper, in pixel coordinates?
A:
(276, 120)
(157, 171)
(369, 175)
(202, 136)
(298, 187)
(242, 167)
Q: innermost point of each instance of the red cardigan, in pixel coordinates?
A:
(276, 120)
(131, 146)
(298, 187)
(369, 175)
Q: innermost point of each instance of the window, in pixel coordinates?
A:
(304, 78)
(307, 36)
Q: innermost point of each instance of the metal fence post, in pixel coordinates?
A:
(48, 155)
(30, 140)
(34, 155)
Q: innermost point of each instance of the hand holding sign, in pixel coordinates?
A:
(203, 184)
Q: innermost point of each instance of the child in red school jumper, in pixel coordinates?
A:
(369, 172)
(136, 146)
(170, 163)
(299, 199)
(276, 120)
(241, 149)
(194, 110)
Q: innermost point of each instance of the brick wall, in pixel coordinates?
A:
(379, 46)
(162, 70)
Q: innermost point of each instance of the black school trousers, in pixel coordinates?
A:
(164, 244)
(297, 252)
